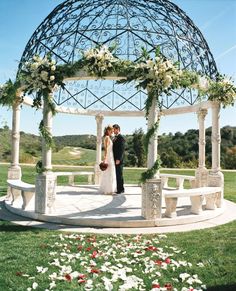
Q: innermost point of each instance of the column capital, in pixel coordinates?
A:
(99, 117)
(215, 104)
(202, 113)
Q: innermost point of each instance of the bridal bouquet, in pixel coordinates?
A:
(103, 166)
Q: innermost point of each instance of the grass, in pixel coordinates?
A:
(74, 156)
(131, 176)
(24, 248)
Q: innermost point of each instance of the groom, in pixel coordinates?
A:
(118, 152)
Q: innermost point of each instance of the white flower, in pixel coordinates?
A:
(168, 64)
(184, 276)
(150, 63)
(168, 80)
(203, 83)
(35, 285)
(53, 68)
(53, 276)
(41, 269)
(52, 285)
(108, 284)
(44, 75)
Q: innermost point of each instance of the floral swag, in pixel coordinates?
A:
(158, 76)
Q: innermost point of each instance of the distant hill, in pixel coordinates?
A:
(176, 150)
(86, 141)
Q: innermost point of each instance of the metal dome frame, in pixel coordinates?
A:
(76, 25)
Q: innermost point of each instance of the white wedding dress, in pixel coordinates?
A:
(108, 177)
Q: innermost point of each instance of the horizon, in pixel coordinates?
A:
(208, 17)
(89, 134)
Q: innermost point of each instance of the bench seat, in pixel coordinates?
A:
(211, 194)
(27, 191)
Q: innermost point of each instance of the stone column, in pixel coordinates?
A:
(152, 189)
(14, 171)
(46, 182)
(216, 177)
(152, 147)
(99, 119)
(201, 173)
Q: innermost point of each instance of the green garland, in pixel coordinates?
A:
(8, 93)
(46, 135)
(150, 173)
(39, 167)
(156, 75)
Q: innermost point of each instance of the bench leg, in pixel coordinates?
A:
(71, 180)
(26, 196)
(211, 201)
(196, 202)
(90, 179)
(171, 207)
(165, 182)
(15, 193)
(219, 199)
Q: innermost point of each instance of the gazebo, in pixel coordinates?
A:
(77, 25)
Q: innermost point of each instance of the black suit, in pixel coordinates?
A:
(118, 152)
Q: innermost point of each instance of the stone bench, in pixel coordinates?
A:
(71, 176)
(211, 194)
(27, 191)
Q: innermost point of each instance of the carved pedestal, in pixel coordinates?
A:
(151, 199)
(14, 173)
(215, 179)
(45, 192)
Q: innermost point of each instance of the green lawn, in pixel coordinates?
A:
(131, 176)
(96, 262)
(74, 156)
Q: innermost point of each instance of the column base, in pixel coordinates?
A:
(201, 175)
(45, 192)
(14, 173)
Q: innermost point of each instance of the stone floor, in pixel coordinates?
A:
(76, 206)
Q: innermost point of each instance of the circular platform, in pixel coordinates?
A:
(85, 206)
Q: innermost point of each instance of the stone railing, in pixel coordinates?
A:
(179, 181)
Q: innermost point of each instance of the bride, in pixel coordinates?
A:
(108, 177)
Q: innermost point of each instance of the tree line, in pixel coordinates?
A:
(178, 150)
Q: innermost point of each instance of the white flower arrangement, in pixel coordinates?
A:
(100, 60)
(39, 75)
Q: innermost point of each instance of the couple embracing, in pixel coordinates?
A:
(112, 181)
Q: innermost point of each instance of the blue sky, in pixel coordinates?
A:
(19, 18)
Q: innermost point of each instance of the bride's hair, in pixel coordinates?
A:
(106, 129)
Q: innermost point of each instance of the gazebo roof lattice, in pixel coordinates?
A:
(77, 25)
